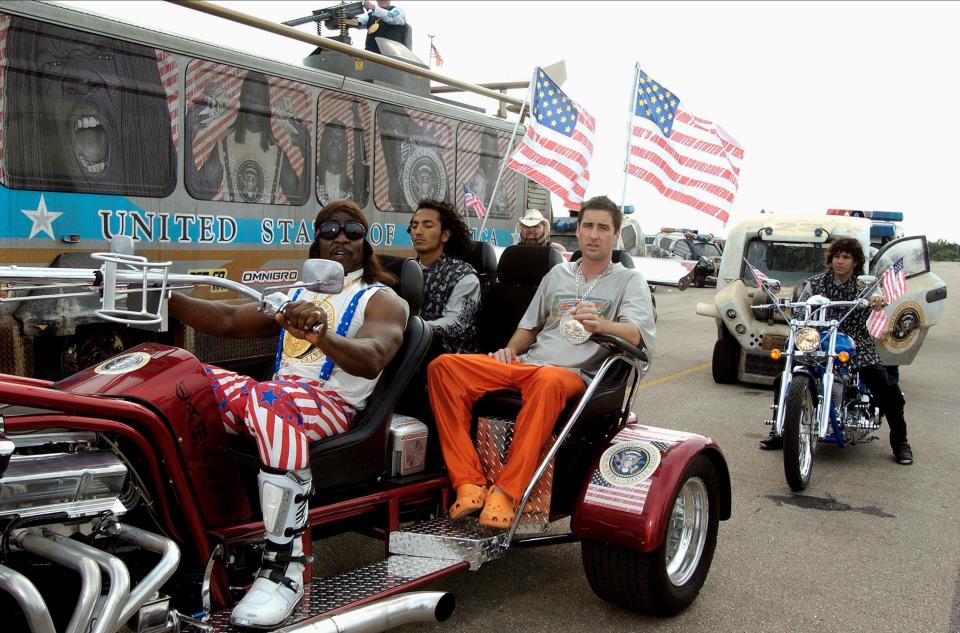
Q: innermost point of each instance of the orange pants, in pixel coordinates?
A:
(456, 381)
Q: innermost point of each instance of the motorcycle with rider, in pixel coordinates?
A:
(833, 388)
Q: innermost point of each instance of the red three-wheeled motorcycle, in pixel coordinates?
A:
(125, 505)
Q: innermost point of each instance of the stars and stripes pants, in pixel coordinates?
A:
(284, 415)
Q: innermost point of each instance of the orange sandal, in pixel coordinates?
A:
(470, 498)
(498, 511)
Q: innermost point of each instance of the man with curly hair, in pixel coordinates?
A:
(846, 260)
(451, 287)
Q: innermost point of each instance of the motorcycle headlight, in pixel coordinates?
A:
(807, 339)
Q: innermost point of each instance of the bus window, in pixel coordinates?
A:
(343, 148)
(479, 153)
(85, 113)
(248, 136)
(414, 158)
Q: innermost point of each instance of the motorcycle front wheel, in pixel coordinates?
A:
(799, 433)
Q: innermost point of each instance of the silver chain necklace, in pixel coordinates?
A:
(572, 330)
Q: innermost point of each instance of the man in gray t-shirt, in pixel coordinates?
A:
(547, 359)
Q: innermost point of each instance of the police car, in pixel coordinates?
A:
(688, 245)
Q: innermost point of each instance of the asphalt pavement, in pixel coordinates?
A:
(869, 546)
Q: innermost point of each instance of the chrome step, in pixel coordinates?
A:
(451, 540)
(323, 595)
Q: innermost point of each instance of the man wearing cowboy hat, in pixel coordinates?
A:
(534, 230)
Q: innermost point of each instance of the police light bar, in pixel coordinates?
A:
(882, 229)
(887, 216)
(667, 229)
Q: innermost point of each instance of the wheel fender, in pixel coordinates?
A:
(811, 383)
(633, 514)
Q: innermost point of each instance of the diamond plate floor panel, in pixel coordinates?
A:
(323, 595)
(451, 539)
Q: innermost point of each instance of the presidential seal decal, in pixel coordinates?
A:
(629, 463)
(907, 322)
(423, 176)
(123, 364)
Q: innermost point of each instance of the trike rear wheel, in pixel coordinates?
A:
(666, 580)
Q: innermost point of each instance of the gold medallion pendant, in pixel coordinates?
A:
(294, 347)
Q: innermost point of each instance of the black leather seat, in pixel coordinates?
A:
(619, 256)
(483, 258)
(518, 275)
(360, 454)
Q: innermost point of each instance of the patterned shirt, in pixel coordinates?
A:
(855, 325)
(451, 298)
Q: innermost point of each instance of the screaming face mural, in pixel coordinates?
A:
(85, 113)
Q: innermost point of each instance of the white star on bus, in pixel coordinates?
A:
(42, 219)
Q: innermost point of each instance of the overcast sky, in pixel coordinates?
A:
(837, 105)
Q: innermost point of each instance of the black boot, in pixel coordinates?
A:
(902, 453)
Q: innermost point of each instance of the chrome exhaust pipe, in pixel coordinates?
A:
(30, 600)
(90, 584)
(107, 620)
(161, 573)
(407, 608)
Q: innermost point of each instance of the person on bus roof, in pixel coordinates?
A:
(548, 359)
(381, 20)
(451, 287)
(320, 382)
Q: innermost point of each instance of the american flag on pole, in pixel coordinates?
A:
(558, 145)
(757, 274)
(435, 56)
(472, 202)
(894, 284)
(686, 158)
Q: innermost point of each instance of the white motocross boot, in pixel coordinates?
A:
(278, 588)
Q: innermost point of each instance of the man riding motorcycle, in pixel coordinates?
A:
(320, 382)
(845, 260)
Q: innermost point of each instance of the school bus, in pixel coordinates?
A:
(209, 157)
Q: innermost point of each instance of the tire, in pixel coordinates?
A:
(799, 433)
(726, 359)
(700, 280)
(90, 346)
(666, 580)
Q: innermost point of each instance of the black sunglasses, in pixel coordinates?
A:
(353, 229)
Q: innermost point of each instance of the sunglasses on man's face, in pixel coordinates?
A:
(353, 229)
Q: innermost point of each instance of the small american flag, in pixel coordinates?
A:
(685, 158)
(474, 203)
(435, 56)
(602, 493)
(757, 275)
(894, 283)
(558, 145)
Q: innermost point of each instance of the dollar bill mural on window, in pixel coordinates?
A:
(343, 149)
(479, 154)
(249, 136)
(414, 158)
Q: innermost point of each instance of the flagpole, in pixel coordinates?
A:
(626, 153)
(503, 161)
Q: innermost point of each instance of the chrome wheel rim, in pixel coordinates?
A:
(687, 531)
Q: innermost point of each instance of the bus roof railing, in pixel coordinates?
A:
(346, 49)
